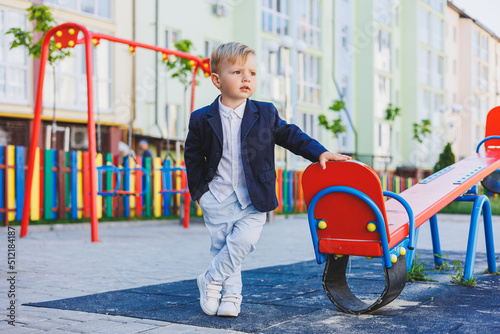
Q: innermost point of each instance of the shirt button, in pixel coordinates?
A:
(235, 184)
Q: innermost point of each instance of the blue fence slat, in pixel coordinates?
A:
(166, 176)
(20, 179)
(126, 187)
(74, 184)
(54, 184)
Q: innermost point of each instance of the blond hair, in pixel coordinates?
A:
(231, 52)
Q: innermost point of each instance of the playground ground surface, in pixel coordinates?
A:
(139, 278)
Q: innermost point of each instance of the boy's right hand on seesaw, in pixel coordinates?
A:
(329, 156)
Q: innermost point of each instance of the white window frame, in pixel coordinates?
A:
(79, 76)
(275, 17)
(8, 66)
(77, 7)
(309, 80)
(310, 24)
(171, 37)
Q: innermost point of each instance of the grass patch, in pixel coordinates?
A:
(416, 274)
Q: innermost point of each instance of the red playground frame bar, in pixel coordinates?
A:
(66, 35)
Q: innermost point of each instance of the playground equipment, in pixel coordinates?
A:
(67, 35)
(348, 217)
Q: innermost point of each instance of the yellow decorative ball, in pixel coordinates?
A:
(58, 45)
(191, 62)
(394, 258)
(339, 255)
(131, 48)
(371, 227)
(71, 31)
(94, 41)
(207, 74)
(369, 258)
(164, 55)
(321, 224)
(71, 43)
(59, 33)
(402, 251)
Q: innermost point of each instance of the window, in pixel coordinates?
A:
(173, 124)
(13, 63)
(454, 67)
(309, 22)
(382, 95)
(475, 43)
(438, 69)
(437, 33)
(275, 16)
(309, 79)
(424, 65)
(425, 103)
(310, 125)
(383, 52)
(209, 47)
(475, 74)
(423, 25)
(171, 37)
(344, 37)
(98, 8)
(383, 12)
(484, 78)
(454, 34)
(484, 47)
(71, 79)
(344, 86)
(437, 5)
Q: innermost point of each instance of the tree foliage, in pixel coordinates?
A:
(335, 127)
(44, 21)
(181, 68)
(446, 158)
(420, 130)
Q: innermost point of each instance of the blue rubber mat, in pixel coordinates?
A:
(291, 299)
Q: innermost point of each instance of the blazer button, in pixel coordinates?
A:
(217, 154)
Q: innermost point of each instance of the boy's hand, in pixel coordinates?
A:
(329, 156)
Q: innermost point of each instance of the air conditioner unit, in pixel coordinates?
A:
(219, 9)
(79, 138)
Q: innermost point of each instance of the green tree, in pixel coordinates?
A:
(44, 21)
(420, 130)
(335, 126)
(447, 158)
(33, 41)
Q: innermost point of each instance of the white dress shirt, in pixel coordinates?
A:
(230, 176)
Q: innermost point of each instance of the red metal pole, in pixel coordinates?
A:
(35, 133)
(91, 134)
(193, 87)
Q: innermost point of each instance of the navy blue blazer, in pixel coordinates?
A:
(261, 129)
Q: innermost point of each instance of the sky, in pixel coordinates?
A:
(485, 11)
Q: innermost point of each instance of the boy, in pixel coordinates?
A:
(229, 155)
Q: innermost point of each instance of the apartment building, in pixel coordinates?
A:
(474, 78)
(112, 78)
(293, 42)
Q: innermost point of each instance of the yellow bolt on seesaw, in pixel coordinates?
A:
(371, 227)
(322, 224)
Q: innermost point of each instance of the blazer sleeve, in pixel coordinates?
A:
(194, 159)
(291, 137)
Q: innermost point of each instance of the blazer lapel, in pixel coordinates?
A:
(249, 118)
(214, 119)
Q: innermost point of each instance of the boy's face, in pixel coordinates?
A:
(237, 81)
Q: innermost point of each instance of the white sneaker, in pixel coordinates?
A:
(209, 295)
(230, 306)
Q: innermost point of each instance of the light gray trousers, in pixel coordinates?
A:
(234, 234)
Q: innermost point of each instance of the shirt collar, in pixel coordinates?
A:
(226, 111)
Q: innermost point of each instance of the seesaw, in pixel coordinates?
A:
(348, 217)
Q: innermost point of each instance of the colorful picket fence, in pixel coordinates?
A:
(61, 188)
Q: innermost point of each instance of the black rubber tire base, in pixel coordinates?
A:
(337, 289)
